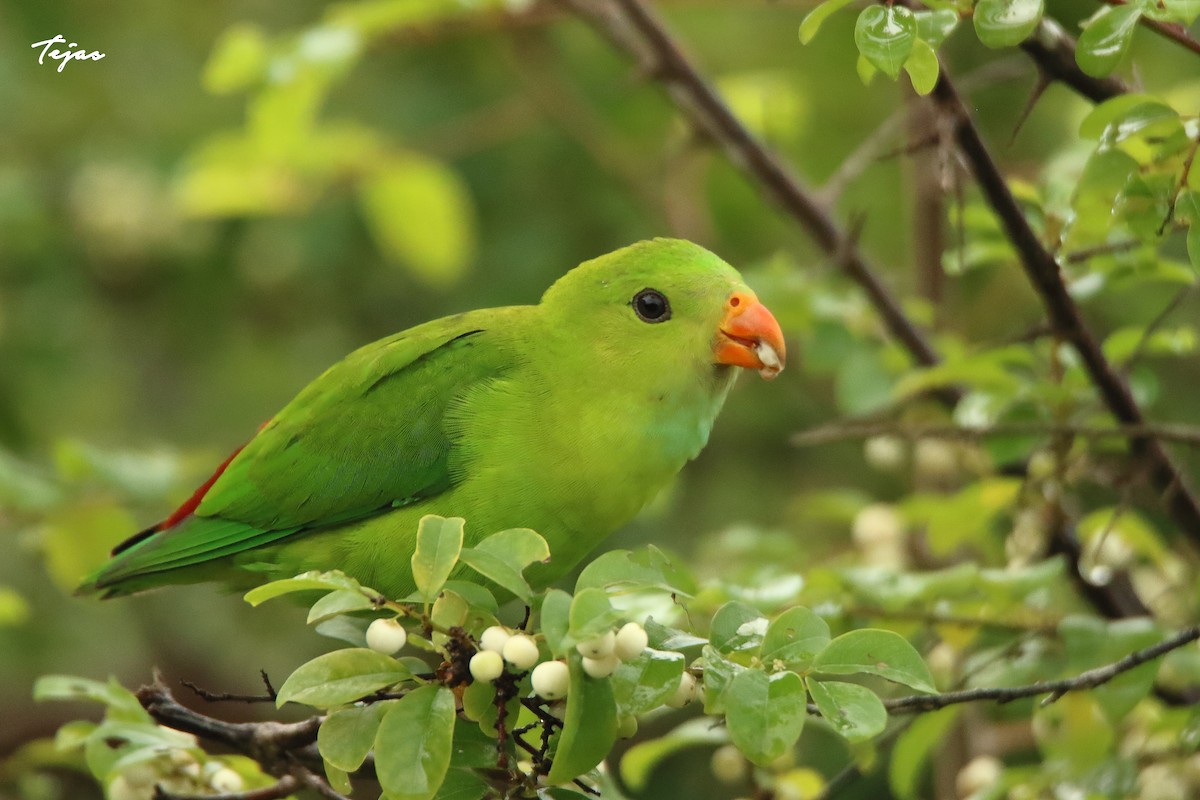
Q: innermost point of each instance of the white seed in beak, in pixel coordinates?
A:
(771, 363)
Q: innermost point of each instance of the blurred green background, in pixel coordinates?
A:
(155, 307)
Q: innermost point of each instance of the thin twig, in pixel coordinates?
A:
(914, 704)
(1047, 280)
(286, 786)
(1045, 626)
(1087, 253)
(826, 434)
(1155, 324)
(1053, 50)
(226, 697)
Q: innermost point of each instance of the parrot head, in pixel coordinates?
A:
(668, 301)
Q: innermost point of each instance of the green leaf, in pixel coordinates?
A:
(719, 673)
(439, 543)
(736, 626)
(589, 727)
(631, 571)
(815, 18)
(863, 384)
(854, 711)
(412, 747)
(348, 734)
(556, 621)
(420, 214)
(1103, 43)
(794, 638)
(307, 582)
(885, 36)
(343, 601)
(646, 682)
(1182, 11)
(765, 714)
(591, 615)
(935, 26)
(498, 570)
(1092, 642)
(1187, 208)
(520, 547)
(876, 652)
(1123, 116)
(665, 637)
(239, 59)
(1006, 23)
(640, 760)
(914, 749)
(121, 703)
(865, 69)
(342, 676)
(922, 67)
(463, 784)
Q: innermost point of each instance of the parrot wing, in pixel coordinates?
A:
(365, 437)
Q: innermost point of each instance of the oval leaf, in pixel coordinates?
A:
(885, 36)
(922, 67)
(347, 735)
(1103, 44)
(1006, 23)
(876, 652)
(794, 638)
(412, 747)
(812, 23)
(439, 542)
(854, 711)
(589, 728)
(342, 676)
(420, 214)
(765, 714)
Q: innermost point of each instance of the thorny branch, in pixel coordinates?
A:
(631, 28)
(1064, 315)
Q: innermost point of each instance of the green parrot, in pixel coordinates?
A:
(565, 417)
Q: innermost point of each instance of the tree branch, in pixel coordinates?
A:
(1044, 275)
(283, 749)
(286, 786)
(1053, 50)
(914, 704)
(630, 27)
(825, 434)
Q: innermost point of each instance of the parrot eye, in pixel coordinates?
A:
(651, 306)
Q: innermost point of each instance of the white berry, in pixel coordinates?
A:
(386, 636)
(122, 789)
(599, 647)
(601, 667)
(226, 781)
(631, 641)
(486, 666)
(494, 638)
(685, 693)
(728, 764)
(884, 452)
(521, 651)
(979, 773)
(551, 679)
(627, 728)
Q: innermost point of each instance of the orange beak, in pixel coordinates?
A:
(750, 337)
